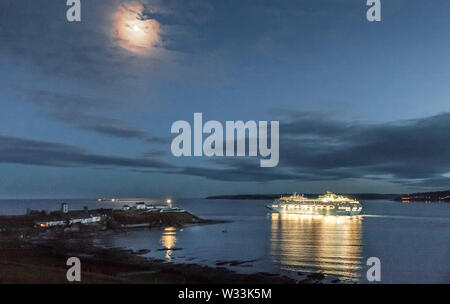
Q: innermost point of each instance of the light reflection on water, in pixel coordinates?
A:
(328, 244)
(168, 240)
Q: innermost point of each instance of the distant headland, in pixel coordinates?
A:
(438, 196)
(358, 196)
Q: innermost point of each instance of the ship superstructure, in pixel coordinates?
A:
(328, 204)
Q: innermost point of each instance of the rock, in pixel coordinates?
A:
(141, 251)
(234, 263)
(172, 249)
(316, 276)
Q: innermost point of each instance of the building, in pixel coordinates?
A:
(88, 219)
(140, 206)
(51, 224)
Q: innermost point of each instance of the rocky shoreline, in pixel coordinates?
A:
(39, 256)
(19, 260)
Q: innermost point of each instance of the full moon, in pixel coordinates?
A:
(135, 33)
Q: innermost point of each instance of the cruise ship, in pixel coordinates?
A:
(328, 204)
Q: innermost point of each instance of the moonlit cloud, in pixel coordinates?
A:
(135, 33)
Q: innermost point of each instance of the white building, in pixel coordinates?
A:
(140, 206)
(85, 220)
(51, 224)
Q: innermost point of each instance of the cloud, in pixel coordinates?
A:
(108, 126)
(155, 153)
(135, 31)
(239, 170)
(32, 152)
(318, 147)
(37, 33)
(413, 153)
(410, 149)
(78, 111)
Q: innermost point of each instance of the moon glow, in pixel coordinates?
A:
(135, 33)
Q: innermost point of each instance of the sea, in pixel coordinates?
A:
(411, 240)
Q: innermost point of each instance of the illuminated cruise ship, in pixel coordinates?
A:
(328, 204)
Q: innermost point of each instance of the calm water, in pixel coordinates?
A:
(411, 240)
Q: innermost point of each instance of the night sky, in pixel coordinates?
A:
(86, 112)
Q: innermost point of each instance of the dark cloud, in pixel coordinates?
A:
(316, 147)
(315, 124)
(436, 183)
(32, 152)
(155, 153)
(108, 126)
(239, 170)
(411, 149)
(79, 111)
(412, 153)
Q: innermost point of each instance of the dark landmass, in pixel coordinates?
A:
(358, 196)
(30, 253)
(108, 219)
(437, 196)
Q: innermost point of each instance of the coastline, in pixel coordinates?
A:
(39, 256)
(43, 260)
